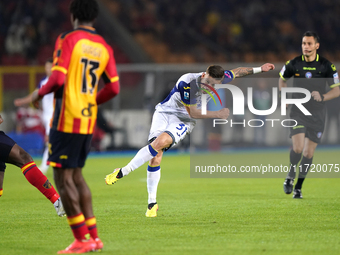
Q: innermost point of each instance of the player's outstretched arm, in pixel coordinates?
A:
(244, 71)
(31, 98)
(197, 113)
(55, 81)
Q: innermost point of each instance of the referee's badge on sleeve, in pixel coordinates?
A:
(336, 77)
(283, 70)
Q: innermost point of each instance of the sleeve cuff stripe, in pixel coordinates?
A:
(60, 69)
(187, 104)
(114, 79)
(335, 85)
(282, 77)
(233, 74)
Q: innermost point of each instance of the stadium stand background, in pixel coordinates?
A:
(157, 41)
(180, 31)
(187, 31)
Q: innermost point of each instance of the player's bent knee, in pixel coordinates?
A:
(26, 158)
(298, 150)
(18, 156)
(308, 154)
(161, 142)
(298, 147)
(155, 161)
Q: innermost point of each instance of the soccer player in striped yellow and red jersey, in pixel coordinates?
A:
(81, 57)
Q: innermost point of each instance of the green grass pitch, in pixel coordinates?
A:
(196, 215)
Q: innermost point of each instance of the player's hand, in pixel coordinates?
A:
(223, 113)
(36, 104)
(1, 119)
(267, 67)
(316, 96)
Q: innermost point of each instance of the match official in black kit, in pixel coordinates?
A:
(311, 72)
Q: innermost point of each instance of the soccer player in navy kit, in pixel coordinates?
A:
(12, 153)
(311, 72)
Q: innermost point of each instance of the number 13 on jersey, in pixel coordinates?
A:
(89, 66)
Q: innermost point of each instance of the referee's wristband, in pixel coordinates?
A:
(322, 97)
(257, 70)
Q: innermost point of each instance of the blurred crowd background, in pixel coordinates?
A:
(149, 35)
(184, 31)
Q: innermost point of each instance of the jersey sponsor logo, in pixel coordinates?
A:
(297, 74)
(186, 95)
(336, 77)
(308, 75)
(87, 112)
(309, 68)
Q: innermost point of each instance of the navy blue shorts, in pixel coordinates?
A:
(6, 145)
(67, 150)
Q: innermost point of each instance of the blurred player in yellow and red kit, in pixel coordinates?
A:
(81, 57)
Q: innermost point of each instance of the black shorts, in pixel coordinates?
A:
(6, 145)
(67, 150)
(312, 126)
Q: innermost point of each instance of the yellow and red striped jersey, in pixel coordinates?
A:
(83, 56)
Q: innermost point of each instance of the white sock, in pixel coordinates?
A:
(44, 167)
(143, 155)
(153, 177)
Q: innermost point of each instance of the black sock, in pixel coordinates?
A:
(303, 170)
(294, 160)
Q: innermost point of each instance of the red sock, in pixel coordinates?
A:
(91, 224)
(78, 226)
(40, 181)
(1, 191)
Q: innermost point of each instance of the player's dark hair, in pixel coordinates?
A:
(216, 72)
(49, 60)
(84, 10)
(311, 33)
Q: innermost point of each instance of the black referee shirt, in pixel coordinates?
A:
(312, 76)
